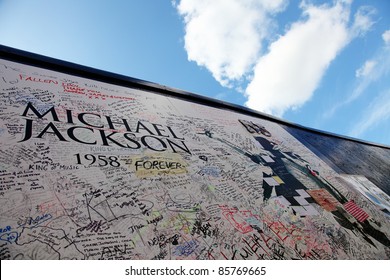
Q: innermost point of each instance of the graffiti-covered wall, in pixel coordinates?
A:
(93, 170)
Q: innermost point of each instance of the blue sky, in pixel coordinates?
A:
(321, 64)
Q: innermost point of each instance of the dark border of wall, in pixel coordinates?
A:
(48, 63)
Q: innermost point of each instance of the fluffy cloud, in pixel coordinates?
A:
(225, 36)
(366, 69)
(363, 20)
(287, 76)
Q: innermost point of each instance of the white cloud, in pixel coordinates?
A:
(377, 112)
(382, 69)
(225, 36)
(363, 20)
(366, 69)
(386, 37)
(367, 76)
(288, 75)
